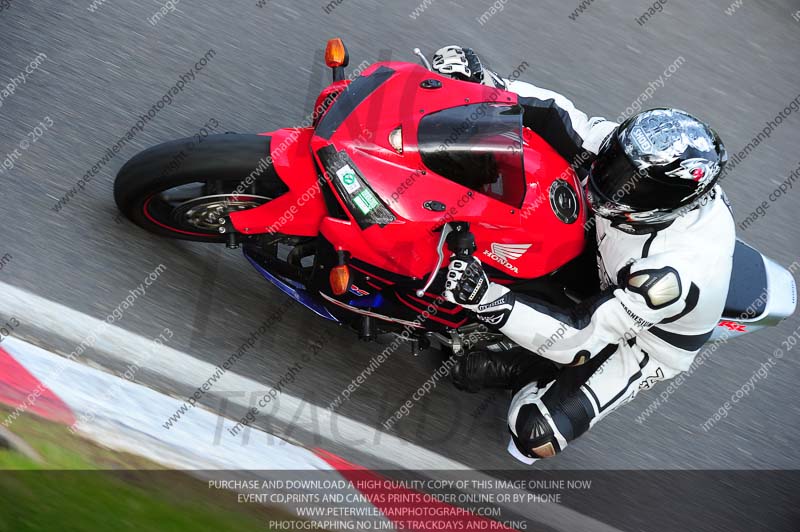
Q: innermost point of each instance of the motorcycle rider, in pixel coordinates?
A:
(665, 237)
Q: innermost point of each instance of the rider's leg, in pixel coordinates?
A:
(543, 420)
(510, 370)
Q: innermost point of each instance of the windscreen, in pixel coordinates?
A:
(478, 146)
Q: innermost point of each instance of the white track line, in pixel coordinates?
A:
(116, 343)
(127, 416)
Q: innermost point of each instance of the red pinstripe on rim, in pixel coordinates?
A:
(146, 212)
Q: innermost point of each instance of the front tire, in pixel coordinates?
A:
(183, 189)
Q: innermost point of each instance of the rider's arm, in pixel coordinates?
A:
(649, 294)
(552, 116)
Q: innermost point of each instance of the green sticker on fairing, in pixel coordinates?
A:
(366, 201)
(348, 178)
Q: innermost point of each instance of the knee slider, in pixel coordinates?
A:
(533, 435)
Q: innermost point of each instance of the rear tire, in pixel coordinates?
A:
(181, 189)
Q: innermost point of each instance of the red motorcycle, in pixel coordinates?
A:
(350, 215)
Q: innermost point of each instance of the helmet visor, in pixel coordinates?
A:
(616, 182)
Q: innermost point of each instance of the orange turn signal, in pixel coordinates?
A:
(335, 54)
(340, 279)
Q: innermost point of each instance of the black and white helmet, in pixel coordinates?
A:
(654, 166)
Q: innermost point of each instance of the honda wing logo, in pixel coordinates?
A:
(510, 251)
(506, 253)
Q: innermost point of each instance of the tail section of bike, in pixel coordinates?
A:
(762, 294)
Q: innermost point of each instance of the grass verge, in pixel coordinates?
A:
(83, 487)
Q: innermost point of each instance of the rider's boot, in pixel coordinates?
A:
(508, 370)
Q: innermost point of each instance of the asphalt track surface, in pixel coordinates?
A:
(104, 69)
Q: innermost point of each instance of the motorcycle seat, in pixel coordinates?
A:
(748, 289)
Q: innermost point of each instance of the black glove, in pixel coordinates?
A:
(466, 283)
(475, 65)
(463, 63)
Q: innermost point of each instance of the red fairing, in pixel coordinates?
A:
(329, 92)
(523, 242)
(299, 211)
(523, 239)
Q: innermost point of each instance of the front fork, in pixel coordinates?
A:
(232, 238)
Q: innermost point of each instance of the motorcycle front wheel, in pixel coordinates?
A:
(184, 188)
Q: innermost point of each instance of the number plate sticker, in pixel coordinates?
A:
(366, 201)
(348, 178)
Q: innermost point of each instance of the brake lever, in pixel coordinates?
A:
(446, 230)
(425, 61)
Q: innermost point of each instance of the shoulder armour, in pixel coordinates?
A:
(660, 288)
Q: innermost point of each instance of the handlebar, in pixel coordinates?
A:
(424, 59)
(459, 241)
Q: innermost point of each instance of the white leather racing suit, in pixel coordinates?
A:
(664, 289)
